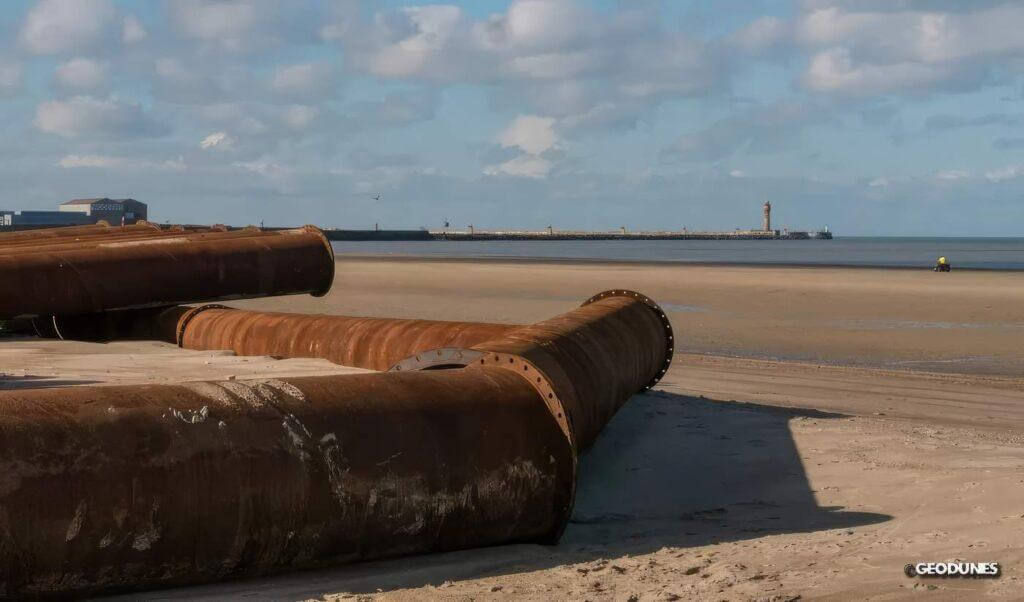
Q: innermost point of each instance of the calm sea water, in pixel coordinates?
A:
(974, 253)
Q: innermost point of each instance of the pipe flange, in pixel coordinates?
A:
(539, 381)
(658, 311)
(454, 357)
(183, 322)
(437, 359)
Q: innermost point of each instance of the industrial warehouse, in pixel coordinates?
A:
(79, 212)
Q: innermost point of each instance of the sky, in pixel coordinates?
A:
(871, 117)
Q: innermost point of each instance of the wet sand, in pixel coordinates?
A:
(966, 321)
(819, 429)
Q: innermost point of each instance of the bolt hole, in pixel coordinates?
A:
(550, 395)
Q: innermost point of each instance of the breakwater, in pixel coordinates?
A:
(335, 234)
(544, 235)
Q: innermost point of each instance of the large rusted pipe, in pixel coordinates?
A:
(588, 361)
(592, 358)
(371, 343)
(163, 271)
(116, 238)
(52, 233)
(54, 236)
(595, 357)
(162, 485)
(128, 487)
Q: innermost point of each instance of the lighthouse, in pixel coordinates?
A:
(767, 217)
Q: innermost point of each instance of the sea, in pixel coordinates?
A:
(886, 252)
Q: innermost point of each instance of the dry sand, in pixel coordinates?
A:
(790, 451)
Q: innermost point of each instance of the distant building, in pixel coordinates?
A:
(50, 218)
(767, 226)
(113, 211)
(44, 218)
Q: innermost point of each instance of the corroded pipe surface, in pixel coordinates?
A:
(55, 236)
(118, 238)
(164, 271)
(594, 358)
(591, 359)
(111, 488)
(51, 233)
(371, 343)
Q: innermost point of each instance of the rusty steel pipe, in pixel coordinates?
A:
(163, 271)
(111, 488)
(588, 361)
(7, 241)
(120, 238)
(371, 343)
(594, 358)
(54, 233)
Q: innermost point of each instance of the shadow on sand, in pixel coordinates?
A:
(668, 471)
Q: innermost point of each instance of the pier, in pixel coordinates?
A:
(539, 235)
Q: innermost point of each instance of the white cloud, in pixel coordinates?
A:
(559, 57)
(1010, 172)
(265, 168)
(879, 182)
(178, 83)
(300, 116)
(303, 80)
(534, 136)
(429, 29)
(529, 166)
(81, 74)
(952, 174)
(11, 73)
(88, 116)
(835, 71)
(132, 31)
(218, 140)
(763, 33)
(860, 49)
(538, 24)
(114, 162)
(250, 25)
(555, 65)
(736, 173)
(58, 26)
(225, 23)
(927, 36)
(530, 133)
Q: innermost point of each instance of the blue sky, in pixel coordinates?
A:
(872, 117)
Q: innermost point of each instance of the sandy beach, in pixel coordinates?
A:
(819, 429)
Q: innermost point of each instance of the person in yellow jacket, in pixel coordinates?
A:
(942, 265)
